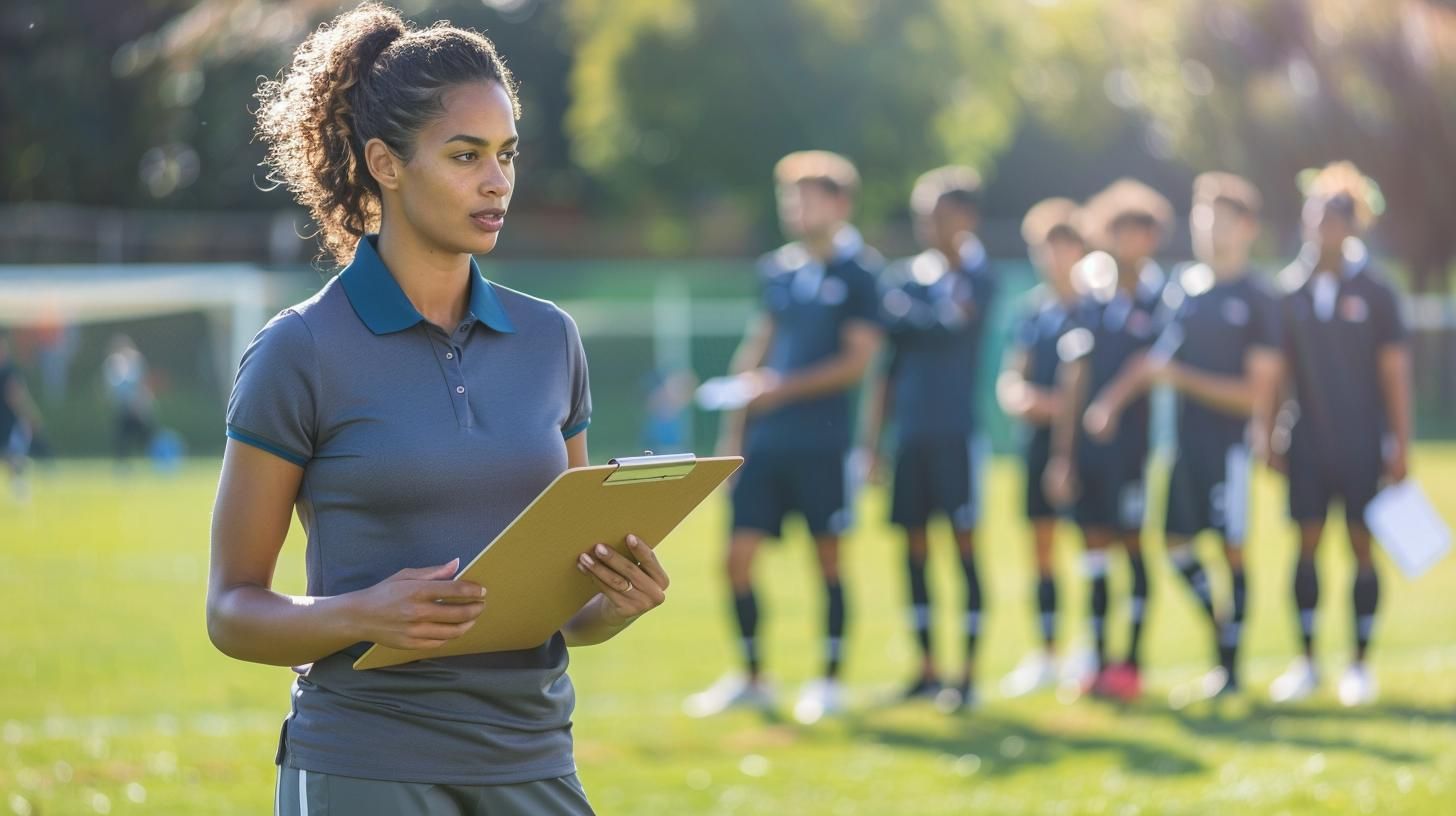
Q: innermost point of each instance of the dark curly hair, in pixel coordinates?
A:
(366, 74)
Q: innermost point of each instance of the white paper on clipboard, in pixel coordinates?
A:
(1408, 527)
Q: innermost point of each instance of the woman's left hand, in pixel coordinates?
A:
(630, 586)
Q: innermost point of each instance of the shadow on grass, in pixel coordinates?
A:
(1261, 723)
(1006, 745)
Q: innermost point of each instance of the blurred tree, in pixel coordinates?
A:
(147, 104)
(690, 102)
(1270, 87)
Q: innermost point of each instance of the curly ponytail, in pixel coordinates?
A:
(367, 74)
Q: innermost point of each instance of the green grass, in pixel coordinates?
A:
(112, 699)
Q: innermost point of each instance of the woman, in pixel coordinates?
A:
(409, 410)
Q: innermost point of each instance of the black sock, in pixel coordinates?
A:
(1138, 603)
(745, 608)
(1306, 597)
(1095, 564)
(919, 602)
(973, 606)
(1046, 606)
(1192, 571)
(1232, 630)
(1367, 600)
(834, 592)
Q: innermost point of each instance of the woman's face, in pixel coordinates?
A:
(456, 188)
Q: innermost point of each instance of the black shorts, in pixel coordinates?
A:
(774, 483)
(1209, 490)
(938, 476)
(1038, 506)
(1312, 488)
(1111, 494)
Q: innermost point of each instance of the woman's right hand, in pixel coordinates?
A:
(419, 608)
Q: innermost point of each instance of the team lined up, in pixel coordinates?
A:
(1309, 374)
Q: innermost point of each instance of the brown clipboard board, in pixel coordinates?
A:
(529, 571)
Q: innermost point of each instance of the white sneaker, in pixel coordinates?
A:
(730, 691)
(818, 698)
(1357, 686)
(1078, 666)
(1296, 683)
(1035, 672)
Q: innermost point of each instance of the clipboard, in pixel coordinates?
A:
(1407, 525)
(529, 570)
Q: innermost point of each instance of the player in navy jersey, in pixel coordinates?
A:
(934, 307)
(19, 421)
(1027, 391)
(1099, 461)
(817, 332)
(1348, 426)
(1219, 352)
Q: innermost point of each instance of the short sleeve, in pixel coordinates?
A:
(578, 415)
(1025, 332)
(1385, 316)
(274, 403)
(862, 301)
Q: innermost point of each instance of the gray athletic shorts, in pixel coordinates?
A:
(305, 793)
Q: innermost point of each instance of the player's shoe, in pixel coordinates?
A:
(924, 688)
(1296, 683)
(818, 699)
(729, 692)
(1123, 682)
(1035, 672)
(957, 699)
(1357, 686)
(1095, 684)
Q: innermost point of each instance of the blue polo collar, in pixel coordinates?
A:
(382, 305)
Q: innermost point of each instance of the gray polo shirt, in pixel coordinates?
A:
(417, 446)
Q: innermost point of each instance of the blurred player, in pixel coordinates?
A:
(1027, 391)
(1220, 354)
(804, 358)
(1349, 424)
(934, 308)
(1099, 460)
(19, 421)
(125, 372)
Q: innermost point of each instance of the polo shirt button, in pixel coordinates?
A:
(449, 355)
(460, 389)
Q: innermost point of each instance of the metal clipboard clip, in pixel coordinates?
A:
(661, 468)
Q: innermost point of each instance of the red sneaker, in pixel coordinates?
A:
(1124, 682)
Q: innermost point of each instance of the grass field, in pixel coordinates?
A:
(113, 701)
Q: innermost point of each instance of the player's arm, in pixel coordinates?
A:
(878, 408)
(1136, 376)
(1239, 396)
(248, 620)
(1073, 375)
(751, 354)
(753, 351)
(627, 588)
(1018, 397)
(1265, 367)
(859, 342)
(1395, 390)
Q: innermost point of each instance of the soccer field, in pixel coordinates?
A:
(113, 701)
